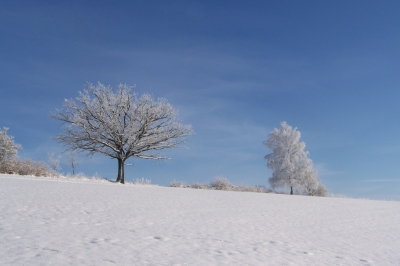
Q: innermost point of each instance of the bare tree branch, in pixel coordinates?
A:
(54, 161)
(120, 124)
(73, 161)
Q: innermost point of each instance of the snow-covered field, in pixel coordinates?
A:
(66, 222)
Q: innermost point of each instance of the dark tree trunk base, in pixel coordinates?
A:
(121, 174)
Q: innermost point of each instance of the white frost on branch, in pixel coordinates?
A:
(73, 161)
(54, 161)
(8, 148)
(8, 152)
(120, 124)
(291, 166)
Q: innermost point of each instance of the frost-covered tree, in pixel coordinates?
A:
(54, 161)
(11, 164)
(120, 124)
(73, 161)
(291, 167)
(8, 149)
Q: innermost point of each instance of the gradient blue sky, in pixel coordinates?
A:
(233, 69)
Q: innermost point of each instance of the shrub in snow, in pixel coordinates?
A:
(310, 185)
(184, 185)
(258, 189)
(142, 181)
(30, 167)
(177, 184)
(221, 183)
(82, 176)
(321, 191)
(199, 186)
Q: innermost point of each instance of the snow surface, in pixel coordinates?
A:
(65, 222)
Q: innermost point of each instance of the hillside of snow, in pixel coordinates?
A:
(67, 222)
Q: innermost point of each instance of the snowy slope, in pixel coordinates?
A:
(55, 222)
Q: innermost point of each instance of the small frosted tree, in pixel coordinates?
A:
(73, 161)
(289, 162)
(119, 124)
(8, 150)
(54, 161)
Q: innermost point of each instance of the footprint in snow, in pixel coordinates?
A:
(103, 240)
(161, 238)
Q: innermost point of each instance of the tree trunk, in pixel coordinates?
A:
(121, 177)
(291, 190)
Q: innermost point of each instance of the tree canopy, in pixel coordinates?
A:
(290, 164)
(120, 124)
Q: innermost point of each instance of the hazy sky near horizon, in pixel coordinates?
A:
(234, 69)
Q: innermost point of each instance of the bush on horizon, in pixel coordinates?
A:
(221, 183)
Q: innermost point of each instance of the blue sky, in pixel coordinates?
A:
(233, 69)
